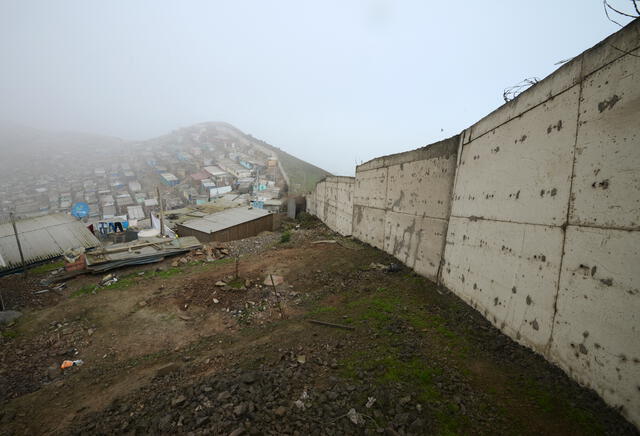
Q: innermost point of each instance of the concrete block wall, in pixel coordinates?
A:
(402, 202)
(532, 216)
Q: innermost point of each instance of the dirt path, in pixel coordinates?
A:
(170, 350)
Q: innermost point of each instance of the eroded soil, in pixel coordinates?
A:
(168, 351)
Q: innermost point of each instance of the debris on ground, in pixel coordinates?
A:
(69, 363)
(108, 280)
(273, 280)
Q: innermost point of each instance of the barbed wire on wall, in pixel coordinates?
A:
(513, 91)
(608, 8)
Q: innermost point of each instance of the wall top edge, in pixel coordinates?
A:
(441, 149)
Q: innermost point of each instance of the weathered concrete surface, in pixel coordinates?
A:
(420, 181)
(332, 202)
(606, 186)
(410, 195)
(416, 241)
(371, 188)
(508, 272)
(596, 336)
(521, 171)
(368, 225)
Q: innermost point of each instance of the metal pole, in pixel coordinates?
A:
(161, 212)
(15, 231)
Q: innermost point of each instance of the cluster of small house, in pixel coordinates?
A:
(190, 175)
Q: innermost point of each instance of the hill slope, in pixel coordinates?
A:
(302, 176)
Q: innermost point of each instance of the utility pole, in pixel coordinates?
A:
(15, 231)
(161, 211)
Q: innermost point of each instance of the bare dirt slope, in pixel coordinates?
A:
(166, 350)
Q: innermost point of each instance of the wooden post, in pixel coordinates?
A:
(15, 231)
(237, 262)
(161, 211)
(275, 290)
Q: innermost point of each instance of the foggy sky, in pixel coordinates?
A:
(333, 82)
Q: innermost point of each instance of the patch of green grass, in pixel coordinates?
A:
(285, 237)
(165, 273)
(85, 290)
(9, 334)
(552, 402)
(321, 310)
(127, 281)
(222, 261)
(236, 283)
(47, 267)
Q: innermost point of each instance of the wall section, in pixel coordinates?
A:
(402, 202)
(531, 216)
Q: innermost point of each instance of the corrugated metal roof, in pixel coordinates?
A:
(135, 212)
(42, 238)
(225, 219)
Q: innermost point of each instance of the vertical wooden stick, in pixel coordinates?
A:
(282, 316)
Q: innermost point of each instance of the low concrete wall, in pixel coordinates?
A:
(532, 216)
(402, 201)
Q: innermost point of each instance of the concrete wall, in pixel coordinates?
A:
(332, 202)
(537, 207)
(402, 202)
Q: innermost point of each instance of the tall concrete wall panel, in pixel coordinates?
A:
(416, 241)
(371, 188)
(521, 171)
(596, 336)
(402, 203)
(606, 186)
(369, 224)
(332, 202)
(508, 272)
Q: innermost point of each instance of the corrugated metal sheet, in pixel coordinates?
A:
(225, 219)
(42, 238)
(135, 212)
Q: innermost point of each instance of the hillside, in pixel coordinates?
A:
(302, 175)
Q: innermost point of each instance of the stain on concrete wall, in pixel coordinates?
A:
(402, 204)
(332, 202)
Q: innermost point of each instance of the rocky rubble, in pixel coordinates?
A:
(285, 397)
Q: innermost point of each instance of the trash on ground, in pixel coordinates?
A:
(277, 280)
(108, 280)
(393, 267)
(325, 241)
(370, 402)
(69, 363)
(330, 324)
(355, 417)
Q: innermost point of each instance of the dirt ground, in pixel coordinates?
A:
(169, 349)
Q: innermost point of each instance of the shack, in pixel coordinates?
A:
(41, 239)
(228, 225)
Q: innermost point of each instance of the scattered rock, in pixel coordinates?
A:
(277, 280)
(167, 369)
(8, 316)
(178, 400)
(280, 411)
